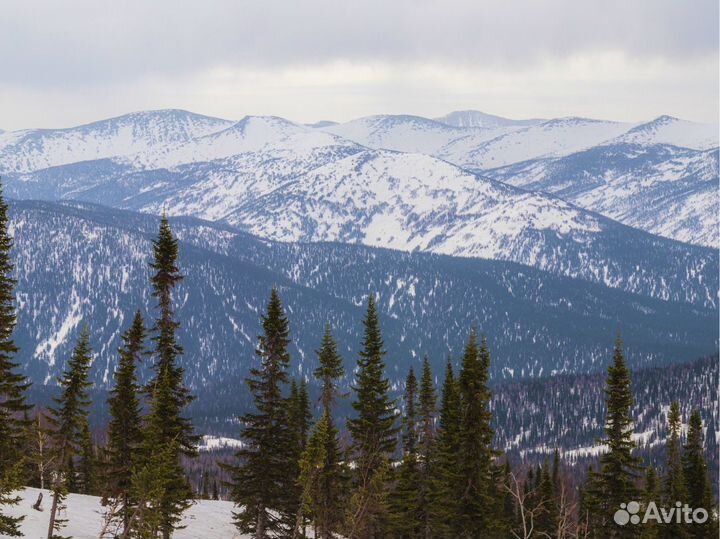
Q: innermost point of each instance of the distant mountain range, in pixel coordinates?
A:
(81, 263)
(221, 170)
(547, 234)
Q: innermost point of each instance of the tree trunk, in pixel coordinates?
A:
(53, 511)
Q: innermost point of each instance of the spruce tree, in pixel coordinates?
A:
(261, 487)
(546, 520)
(323, 472)
(616, 481)
(299, 417)
(698, 486)
(673, 486)
(330, 369)
(124, 431)
(405, 501)
(373, 431)
(476, 501)
(166, 426)
(69, 418)
(445, 480)
(13, 385)
(428, 402)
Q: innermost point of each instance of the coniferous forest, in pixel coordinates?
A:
(418, 461)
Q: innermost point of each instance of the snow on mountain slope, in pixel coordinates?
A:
(388, 199)
(475, 118)
(212, 190)
(404, 133)
(252, 134)
(550, 138)
(669, 130)
(665, 190)
(407, 202)
(33, 149)
(206, 519)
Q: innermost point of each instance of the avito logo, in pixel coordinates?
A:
(680, 514)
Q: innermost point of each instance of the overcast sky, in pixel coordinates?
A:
(67, 62)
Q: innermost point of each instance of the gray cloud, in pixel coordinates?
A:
(79, 42)
(86, 56)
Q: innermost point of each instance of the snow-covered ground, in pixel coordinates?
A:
(204, 520)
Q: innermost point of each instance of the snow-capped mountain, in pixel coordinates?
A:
(666, 190)
(475, 118)
(549, 138)
(34, 149)
(292, 182)
(404, 133)
(669, 130)
(281, 138)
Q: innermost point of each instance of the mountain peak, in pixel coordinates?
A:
(476, 118)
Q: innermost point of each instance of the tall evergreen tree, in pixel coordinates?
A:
(69, 418)
(616, 481)
(373, 431)
(165, 424)
(445, 479)
(322, 471)
(330, 369)
(261, 487)
(673, 487)
(426, 445)
(546, 520)
(698, 486)
(405, 501)
(475, 518)
(299, 417)
(124, 431)
(13, 385)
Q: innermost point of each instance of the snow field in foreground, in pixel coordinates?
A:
(206, 519)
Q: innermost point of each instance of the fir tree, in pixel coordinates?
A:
(476, 455)
(330, 369)
(322, 471)
(260, 484)
(312, 497)
(698, 486)
(69, 418)
(299, 417)
(150, 480)
(425, 448)
(445, 479)
(166, 425)
(124, 431)
(615, 482)
(373, 431)
(12, 384)
(546, 521)
(405, 502)
(673, 487)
